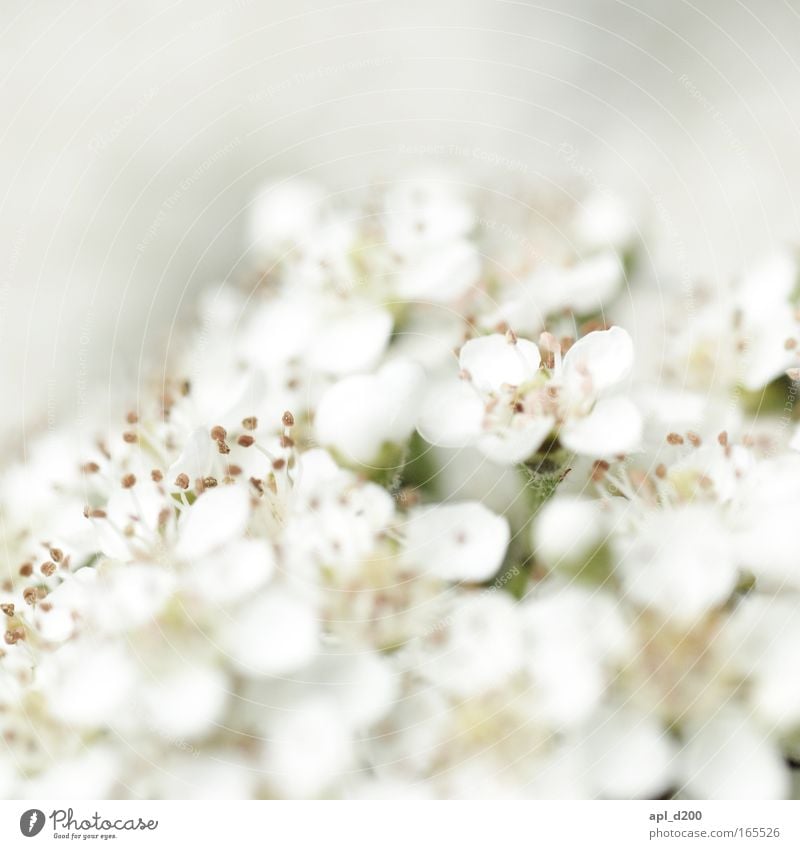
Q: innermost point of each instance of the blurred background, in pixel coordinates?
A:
(134, 135)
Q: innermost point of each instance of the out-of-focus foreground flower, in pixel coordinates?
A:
(413, 513)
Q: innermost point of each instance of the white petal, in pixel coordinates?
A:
(185, 702)
(441, 275)
(680, 561)
(492, 361)
(307, 749)
(457, 542)
(274, 634)
(217, 516)
(482, 646)
(567, 529)
(613, 427)
(352, 341)
(359, 414)
(284, 212)
(729, 759)
(629, 755)
(510, 445)
(452, 414)
(605, 356)
(196, 458)
(232, 573)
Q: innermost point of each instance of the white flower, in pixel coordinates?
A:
(507, 405)
(424, 212)
(628, 755)
(481, 646)
(361, 414)
(680, 561)
(727, 758)
(604, 220)
(274, 634)
(283, 213)
(218, 516)
(567, 529)
(307, 750)
(456, 542)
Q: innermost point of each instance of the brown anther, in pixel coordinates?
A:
(56, 554)
(157, 475)
(674, 438)
(599, 469)
(250, 423)
(661, 471)
(8, 609)
(209, 482)
(278, 464)
(186, 387)
(511, 337)
(45, 606)
(566, 343)
(218, 433)
(11, 637)
(258, 485)
(245, 440)
(163, 517)
(129, 436)
(26, 570)
(90, 468)
(222, 447)
(29, 594)
(48, 568)
(234, 470)
(694, 438)
(790, 344)
(549, 359)
(182, 481)
(132, 417)
(97, 513)
(722, 438)
(271, 484)
(287, 419)
(128, 480)
(287, 442)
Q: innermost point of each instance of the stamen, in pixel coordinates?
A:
(128, 481)
(250, 423)
(182, 481)
(245, 440)
(674, 438)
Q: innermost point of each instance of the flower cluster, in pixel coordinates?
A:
(411, 513)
